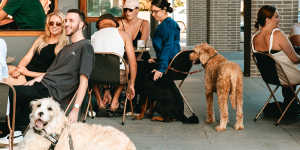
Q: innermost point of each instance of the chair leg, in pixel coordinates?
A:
(288, 106)
(124, 111)
(131, 106)
(273, 94)
(184, 98)
(268, 101)
(285, 110)
(87, 109)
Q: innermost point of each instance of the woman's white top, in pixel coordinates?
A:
(3, 65)
(292, 70)
(295, 30)
(109, 40)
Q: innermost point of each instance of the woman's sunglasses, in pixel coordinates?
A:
(58, 24)
(128, 9)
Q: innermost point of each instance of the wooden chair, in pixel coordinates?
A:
(106, 71)
(178, 70)
(4, 90)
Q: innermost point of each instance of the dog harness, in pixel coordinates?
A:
(53, 138)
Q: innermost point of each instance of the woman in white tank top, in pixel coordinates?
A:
(270, 39)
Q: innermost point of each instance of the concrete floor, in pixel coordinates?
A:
(260, 135)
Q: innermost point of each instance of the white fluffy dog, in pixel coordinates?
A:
(47, 118)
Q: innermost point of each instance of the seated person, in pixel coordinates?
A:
(68, 74)
(43, 51)
(27, 14)
(295, 37)
(278, 46)
(110, 39)
(138, 29)
(166, 43)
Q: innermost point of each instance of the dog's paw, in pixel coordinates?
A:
(238, 126)
(210, 120)
(219, 128)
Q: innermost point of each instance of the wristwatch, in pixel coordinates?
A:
(77, 106)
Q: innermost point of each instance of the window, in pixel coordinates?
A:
(95, 8)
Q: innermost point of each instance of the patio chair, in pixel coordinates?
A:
(4, 90)
(107, 72)
(178, 69)
(273, 74)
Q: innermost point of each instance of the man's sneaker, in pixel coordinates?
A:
(18, 137)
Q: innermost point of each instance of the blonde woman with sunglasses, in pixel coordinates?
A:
(43, 51)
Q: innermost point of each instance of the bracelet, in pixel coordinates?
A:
(76, 106)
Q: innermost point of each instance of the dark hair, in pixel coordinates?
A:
(80, 14)
(107, 16)
(162, 4)
(264, 12)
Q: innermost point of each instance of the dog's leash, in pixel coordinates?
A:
(184, 72)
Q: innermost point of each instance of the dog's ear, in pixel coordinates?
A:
(208, 49)
(34, 103)
(197, 49)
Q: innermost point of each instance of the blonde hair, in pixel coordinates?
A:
(63, 39)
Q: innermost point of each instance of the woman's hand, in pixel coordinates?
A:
(23, 70)
(151, 60)
(15, 73)
(130, 93)
(157, 74)
(37, 79)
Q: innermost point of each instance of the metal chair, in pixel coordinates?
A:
(4, 90)
(106, 71)
(272, 72)
(178, 69)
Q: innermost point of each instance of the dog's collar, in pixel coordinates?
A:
(53, 138)
(204, 65)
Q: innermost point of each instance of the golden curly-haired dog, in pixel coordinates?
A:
(223, 77)
(48, 120)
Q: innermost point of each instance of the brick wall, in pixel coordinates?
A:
(224, 23)
(224, 28)
(197, 21)
(288, 11)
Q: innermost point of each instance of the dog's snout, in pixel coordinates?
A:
(41, 114)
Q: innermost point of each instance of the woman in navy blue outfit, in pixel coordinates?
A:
(169, 103)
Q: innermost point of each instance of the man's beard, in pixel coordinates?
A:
(74, 30)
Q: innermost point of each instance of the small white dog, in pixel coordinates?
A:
(48, 120)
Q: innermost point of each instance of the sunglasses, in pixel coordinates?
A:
(128, 9)
(58, 24)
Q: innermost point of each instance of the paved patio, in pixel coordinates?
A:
(260, 135)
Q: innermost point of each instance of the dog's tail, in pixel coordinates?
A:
(233, 90)
(236, 92)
